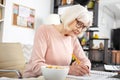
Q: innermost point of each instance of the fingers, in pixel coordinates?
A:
(85, 69)
(80, 69)
(75, 63)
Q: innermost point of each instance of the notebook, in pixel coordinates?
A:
(95, 75)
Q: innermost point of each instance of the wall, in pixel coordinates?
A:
(106, 20)
(117, 23)
(13, 33)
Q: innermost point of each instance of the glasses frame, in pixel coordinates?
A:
(80, 25)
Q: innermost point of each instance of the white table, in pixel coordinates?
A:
(95, 75)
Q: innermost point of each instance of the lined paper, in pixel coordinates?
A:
(95, 75)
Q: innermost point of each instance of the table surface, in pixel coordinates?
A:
(94, 75)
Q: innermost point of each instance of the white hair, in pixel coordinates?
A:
(76, 12)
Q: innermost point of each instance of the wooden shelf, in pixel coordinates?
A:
(2, 14)
(92, 31)
(1, 20)
(99, 39)
(97, 49)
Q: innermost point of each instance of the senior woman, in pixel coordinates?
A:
(55, 44)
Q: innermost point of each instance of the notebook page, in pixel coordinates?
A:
(95, 75)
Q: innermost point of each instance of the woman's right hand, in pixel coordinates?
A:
(78, 69)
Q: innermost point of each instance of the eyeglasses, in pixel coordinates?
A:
(80, 25)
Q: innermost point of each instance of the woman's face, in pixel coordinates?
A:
(75, 28)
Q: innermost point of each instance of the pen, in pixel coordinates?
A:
(76, 59)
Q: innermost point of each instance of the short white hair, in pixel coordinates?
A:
(76, 12)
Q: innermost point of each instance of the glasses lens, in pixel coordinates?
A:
(80, 25)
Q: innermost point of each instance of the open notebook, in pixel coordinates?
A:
(96, 75)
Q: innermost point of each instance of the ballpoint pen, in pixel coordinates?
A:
(76, 59)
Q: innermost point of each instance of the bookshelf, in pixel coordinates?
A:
(2, 12)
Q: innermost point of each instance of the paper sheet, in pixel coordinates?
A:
(95, 75)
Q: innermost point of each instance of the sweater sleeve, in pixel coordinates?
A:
(38, 55)
(79, 53)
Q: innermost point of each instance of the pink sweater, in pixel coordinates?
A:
(52, 48)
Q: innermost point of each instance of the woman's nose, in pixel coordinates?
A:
(77, 31)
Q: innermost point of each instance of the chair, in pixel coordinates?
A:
(12, 60)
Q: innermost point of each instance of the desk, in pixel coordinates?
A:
(95, 75)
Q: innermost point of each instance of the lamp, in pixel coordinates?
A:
(53, 19)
